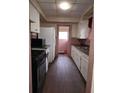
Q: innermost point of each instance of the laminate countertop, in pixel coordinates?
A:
(84, 49)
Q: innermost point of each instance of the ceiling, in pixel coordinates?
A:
(53, 12)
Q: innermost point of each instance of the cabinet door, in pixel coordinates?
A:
(72, 53)
(74, 30)
(32, 13)
(78, 62)
(77, 59)
(84, 68)
(34, 16)
(34, 27)
(83, 29)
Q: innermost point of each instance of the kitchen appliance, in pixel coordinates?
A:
(48, 33)
(38, 70)
(38, 43)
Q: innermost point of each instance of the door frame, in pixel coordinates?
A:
(89, 85)
(69, 39)
(30, 61)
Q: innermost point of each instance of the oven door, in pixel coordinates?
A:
(41, 74)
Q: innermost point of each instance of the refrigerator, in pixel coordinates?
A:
(48, 33)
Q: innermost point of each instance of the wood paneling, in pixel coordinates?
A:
(63, 77)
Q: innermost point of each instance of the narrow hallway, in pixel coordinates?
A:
(63, 77)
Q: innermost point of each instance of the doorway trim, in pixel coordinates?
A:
(90, 79)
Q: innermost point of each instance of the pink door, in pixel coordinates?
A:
(63, 39)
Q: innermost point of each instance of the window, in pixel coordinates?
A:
(63, 35)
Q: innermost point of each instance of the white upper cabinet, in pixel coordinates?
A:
(33, 13)
(83, 29)
(74, 30)
(34, 17)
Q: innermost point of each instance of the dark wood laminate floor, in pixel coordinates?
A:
(63, 77)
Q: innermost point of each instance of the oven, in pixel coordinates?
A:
(38, 70)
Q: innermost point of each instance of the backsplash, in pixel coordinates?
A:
(81, 42)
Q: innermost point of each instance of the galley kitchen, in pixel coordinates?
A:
(61, 46)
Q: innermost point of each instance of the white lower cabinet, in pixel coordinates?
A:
(84, 68)
(77, 60)
(81, 61)
(76, 57)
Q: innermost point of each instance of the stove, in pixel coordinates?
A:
(38, 70)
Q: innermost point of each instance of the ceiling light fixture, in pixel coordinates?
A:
(65, 5)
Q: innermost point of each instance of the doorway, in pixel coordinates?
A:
(63, 39)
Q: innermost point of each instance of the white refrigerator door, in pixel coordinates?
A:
(48, 33)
